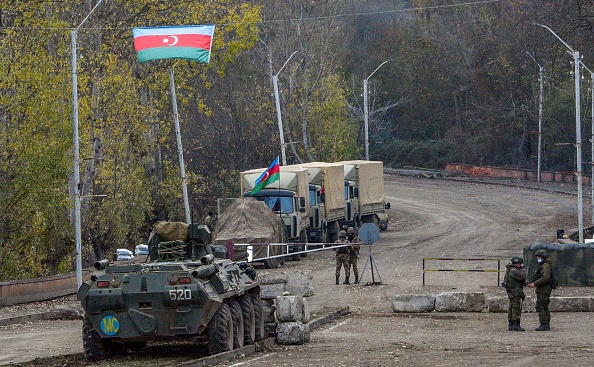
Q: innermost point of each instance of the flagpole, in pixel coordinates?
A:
(180, 151)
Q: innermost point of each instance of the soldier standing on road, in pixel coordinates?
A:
(515, 276)
(342, 258)
(542, 283)
(353, 253)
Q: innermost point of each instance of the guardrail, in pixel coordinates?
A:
(39, 289)
(498, 271)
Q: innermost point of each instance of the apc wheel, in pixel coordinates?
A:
(258, 315)
(249, 319)
(220, 331)
(238, 329)
(93, 346)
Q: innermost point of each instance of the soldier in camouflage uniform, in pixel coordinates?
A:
(211, 222)
(342, 258)
(515, 276)
(353, 252)
(542, 283)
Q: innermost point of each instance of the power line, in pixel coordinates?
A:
(323, 17)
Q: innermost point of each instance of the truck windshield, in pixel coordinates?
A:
(283, 204)
(313, 194)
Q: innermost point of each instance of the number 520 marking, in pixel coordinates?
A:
(177, 294)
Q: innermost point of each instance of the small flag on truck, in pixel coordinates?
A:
(271, 174)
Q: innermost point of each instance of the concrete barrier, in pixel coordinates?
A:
(292, 333)
(413, 303)
(295, 283)
(476, 302)
(289, 308)
(459, 302)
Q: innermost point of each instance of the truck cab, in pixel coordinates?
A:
(316, 230)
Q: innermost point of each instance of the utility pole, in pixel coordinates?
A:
(578, 132)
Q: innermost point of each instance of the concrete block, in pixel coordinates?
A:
(271, 291)
(289, 308)
(299, 284)
(273, 278)
(497, 304)
(269, 313)
(291, 333)
(413, 303)
(570, 304)
(459, 302)
(306, 313)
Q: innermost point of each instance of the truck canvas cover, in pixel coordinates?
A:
(369, 176)
(330, 176)
(248, 220)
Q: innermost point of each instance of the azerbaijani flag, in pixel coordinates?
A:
(271, 174)
(187, 42)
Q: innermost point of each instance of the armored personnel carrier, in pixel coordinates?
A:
(181, 289)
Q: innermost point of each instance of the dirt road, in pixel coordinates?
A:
(434, 218)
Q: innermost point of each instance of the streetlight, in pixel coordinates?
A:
(540, 102)
(578, 132)
(591, 138)
(76, 178)
(278, 111)
(366, 109)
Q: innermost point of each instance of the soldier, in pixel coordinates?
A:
(211, 222)
(353, 252)
(542, 283)
(342, 258)
(515, 276)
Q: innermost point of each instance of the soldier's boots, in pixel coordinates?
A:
(337, 280)
(516, 326)
(346, 280)
(543, 327)
(356, 279)
(510, 325)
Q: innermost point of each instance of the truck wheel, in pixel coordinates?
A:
(258, 315)
(93, 345)
(249, 319)
(220, 331)
(238, 329)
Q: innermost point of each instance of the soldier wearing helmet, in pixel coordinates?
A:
(514, 279)
(342, 257)
(542, 283)
(353, 253)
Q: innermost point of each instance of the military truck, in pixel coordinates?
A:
(181, 291)
(364, 194)
(326, 200)
(285, 197)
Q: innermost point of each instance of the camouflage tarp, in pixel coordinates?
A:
(248, 220)
(170, 231)
(573, 263)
